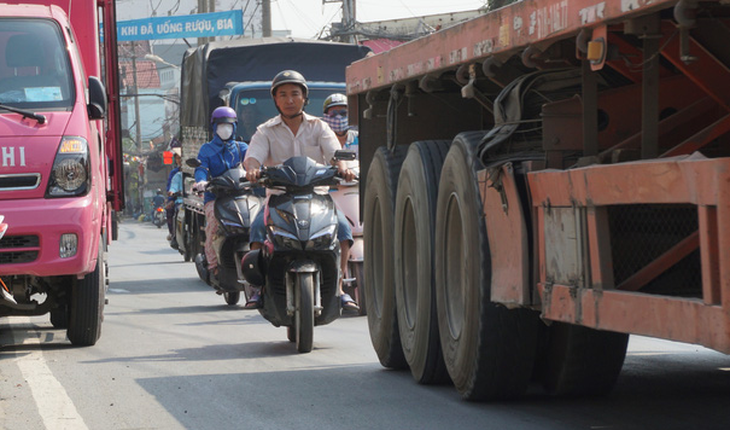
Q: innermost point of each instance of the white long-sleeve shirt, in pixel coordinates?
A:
(273, 143)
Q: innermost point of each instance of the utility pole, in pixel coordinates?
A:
(202, 8)
(137, 122)
(138, 125)
(266, 18)
(348, 20)
(211, 8)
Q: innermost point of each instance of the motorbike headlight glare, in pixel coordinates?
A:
(322, 239)
(284, 215)
(284, 239)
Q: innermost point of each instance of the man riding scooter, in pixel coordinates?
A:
(292, 133)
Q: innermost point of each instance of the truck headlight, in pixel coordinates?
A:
(70, 172)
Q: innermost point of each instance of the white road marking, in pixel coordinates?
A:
(54, 405)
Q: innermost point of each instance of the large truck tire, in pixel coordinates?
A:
(59, 317)
(489, 350)
(380, 189)
(580, 361)
(86, 309)
(415, 217)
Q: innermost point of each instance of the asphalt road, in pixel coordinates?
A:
(173, 355)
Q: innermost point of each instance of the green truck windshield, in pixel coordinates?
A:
(255, 107)
(35, 71)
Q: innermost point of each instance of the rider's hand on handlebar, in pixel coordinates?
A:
(253, 175)
(199, 187)
(346, 174)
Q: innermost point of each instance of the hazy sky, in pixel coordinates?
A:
(305, 18)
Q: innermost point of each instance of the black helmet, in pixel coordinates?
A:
(289, 77)
(333, 100)
(223, 114)
(252, 268)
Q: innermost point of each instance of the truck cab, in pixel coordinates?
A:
(54, 167)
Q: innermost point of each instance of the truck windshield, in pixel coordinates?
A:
(255, 107)
(35, 72)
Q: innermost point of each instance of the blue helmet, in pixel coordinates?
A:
(223, 114)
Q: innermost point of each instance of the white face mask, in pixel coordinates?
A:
(224, 131)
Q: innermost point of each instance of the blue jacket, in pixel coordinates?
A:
(169, 180)
(176, 186)
(216, 157)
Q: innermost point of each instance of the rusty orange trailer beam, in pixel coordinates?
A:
(529, 23)
(701, 182)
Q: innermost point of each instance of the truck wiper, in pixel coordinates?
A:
(26, 114)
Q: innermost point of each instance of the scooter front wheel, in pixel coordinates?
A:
(304, 314)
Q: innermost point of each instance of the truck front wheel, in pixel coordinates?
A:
(59, 317)
(87, 303)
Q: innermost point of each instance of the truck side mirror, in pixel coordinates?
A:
(225, 96)
(97, 99)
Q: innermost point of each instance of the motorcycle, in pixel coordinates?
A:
(235, 208)
(298, 266)
(347, 197)
(159, 218)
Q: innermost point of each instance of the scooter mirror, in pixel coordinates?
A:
(345, 155)
(192, 162)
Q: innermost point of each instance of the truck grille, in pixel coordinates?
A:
(19, 182)
(19, 249)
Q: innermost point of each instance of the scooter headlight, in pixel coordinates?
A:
(283, 238)
(284, 215)
(322, 239)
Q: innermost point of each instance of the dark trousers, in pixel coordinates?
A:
(170, 212)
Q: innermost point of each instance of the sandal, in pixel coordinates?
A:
(254, 302)
(348, 303)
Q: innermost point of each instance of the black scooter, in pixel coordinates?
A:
(236, 205)
(299, 263)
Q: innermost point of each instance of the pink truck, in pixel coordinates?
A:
(60, 160)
